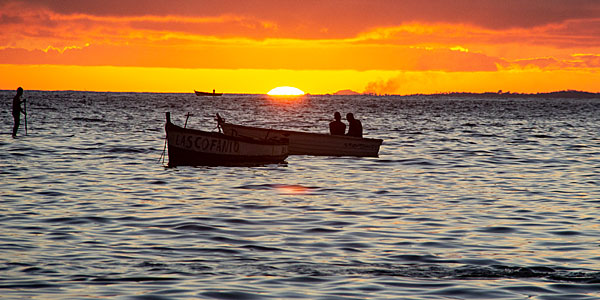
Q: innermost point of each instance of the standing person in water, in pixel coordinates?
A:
(17, 110)
(337, 127)
(354, 126)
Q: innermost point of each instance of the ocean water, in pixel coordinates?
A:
(470, 198)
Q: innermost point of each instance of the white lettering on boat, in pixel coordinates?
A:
(205, 144)
(359, 146)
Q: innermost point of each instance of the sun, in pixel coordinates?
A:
(285, 91)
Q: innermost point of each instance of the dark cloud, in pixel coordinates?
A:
(6, 19)
(350, 14)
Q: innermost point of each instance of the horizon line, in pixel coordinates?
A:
(352, 93)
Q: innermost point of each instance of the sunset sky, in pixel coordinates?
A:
(318, 46)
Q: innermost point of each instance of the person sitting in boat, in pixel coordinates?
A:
(337, 127)
(354, 126)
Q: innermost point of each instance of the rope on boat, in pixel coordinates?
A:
(187, 116)
(219, 120)
(162, 156)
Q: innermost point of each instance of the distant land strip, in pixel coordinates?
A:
(558, 94)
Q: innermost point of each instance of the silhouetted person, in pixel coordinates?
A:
(17, 110)
(354, 126)
(337, 127)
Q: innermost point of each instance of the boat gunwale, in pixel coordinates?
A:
(220, 135)
(283, 132)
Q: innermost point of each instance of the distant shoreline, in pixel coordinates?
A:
(558, 94)
(496, 95)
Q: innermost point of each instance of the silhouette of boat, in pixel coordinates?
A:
(190, 147)
(198, 93)
(307, 143)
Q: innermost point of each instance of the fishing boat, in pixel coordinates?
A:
(308, 143)
(191, 147)
(198, 93)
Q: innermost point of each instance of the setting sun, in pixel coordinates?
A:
(285, 91)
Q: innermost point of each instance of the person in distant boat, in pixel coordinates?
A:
(337, 127)
(354, 126)
(17, 110)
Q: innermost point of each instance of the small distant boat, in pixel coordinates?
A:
(190, 147)
(307, 143)
(198, 93)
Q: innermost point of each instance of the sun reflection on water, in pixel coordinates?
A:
(292, 189)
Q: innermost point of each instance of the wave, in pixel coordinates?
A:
(84, 119)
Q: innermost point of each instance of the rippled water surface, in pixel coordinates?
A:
(468, 199)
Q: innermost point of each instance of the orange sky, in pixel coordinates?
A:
(379, 46)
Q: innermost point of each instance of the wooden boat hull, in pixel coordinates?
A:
(306, 143)
(189, 147)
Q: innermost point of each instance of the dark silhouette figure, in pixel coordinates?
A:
(17, 110)
(354, 126)
(337, 127)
